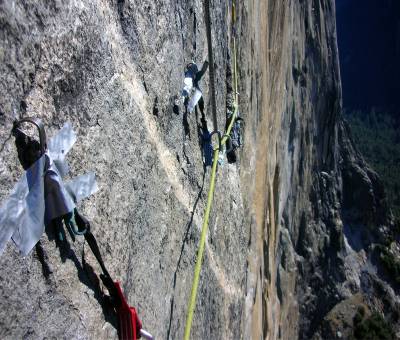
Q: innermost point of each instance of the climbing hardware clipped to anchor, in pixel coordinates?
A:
(42, 198)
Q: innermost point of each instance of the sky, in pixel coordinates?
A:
(369, 52)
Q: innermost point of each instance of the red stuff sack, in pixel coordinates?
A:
(129, 322)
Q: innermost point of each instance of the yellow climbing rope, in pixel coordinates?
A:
(196, 277)
(195, 284)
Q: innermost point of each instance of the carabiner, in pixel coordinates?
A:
(218, 133)
(39, 125)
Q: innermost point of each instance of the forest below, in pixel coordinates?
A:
(377, 137)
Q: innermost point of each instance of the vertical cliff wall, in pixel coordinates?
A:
(292, 88)
(315, 208)
(283, 254)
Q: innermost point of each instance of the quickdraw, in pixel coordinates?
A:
(29, 151)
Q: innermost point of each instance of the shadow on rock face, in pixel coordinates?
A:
(185, 238)
(185, 124)
(204, 134)
(86, 273)
(175, 109)
(44, 260)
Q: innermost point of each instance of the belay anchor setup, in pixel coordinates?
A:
(41, 198)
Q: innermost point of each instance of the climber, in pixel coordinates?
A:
(191, 82)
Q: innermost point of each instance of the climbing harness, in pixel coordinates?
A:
(41, 197)
(222, 142)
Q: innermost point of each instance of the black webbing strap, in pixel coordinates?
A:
(82, 223)
(96, 251)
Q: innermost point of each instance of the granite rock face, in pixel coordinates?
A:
(113, 70)
(282, 249)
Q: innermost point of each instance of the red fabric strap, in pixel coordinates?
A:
(129, 322)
